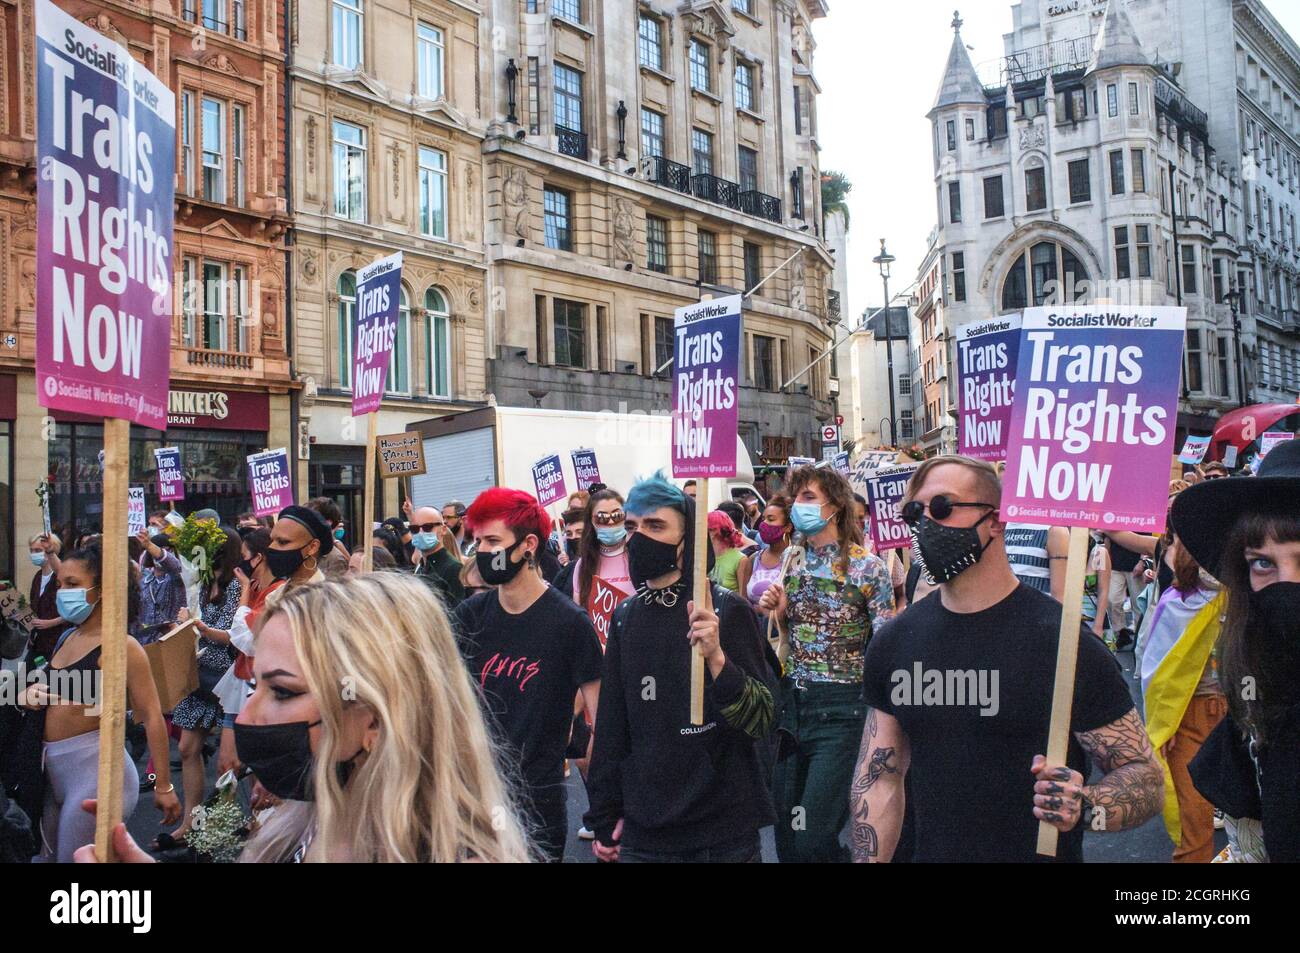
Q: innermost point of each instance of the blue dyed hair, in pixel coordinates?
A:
(653, 493)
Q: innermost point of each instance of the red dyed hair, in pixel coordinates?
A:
(720, 522)
(520, 512)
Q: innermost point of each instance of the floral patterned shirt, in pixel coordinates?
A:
(832, 614)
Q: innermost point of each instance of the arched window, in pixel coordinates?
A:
(1046, 271)
(399, 362)
(347, 318)
(438, 344)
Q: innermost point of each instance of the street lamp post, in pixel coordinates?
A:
(1232, 298)
(884, 260)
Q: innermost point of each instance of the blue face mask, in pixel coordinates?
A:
(425, 541)
(611, 535)
(72, 605)
(38, 559)
(807, 518)
(338, 533)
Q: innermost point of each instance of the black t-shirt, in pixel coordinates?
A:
(971, 786)
(529, 667)
(1121, 559)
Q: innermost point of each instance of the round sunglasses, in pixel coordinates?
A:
(940, 508)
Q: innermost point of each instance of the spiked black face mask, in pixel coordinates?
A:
(948, 551)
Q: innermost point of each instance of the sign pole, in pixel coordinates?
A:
(700, 594)
(368, 493)
(114, 580)
(1067, 657)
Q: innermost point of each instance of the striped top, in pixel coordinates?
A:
(1027, 552)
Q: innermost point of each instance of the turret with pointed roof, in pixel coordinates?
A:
(961, 84)
(1117, 43)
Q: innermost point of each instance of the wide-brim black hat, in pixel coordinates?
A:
(1204, 515)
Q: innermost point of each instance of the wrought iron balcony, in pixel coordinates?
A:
(758, 203)
(711, 188)
(668, 173)
(572, 143)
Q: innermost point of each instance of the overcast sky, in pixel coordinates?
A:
(879, 63)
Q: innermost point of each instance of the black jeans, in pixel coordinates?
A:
(548, 820)
(811, 787)
(737, 850)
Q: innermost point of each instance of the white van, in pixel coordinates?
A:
(467, 452)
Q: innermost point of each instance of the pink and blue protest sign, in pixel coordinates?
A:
(135, 510)
(1092, 429)
(885, 491)
(548, 478)
(374, 333)
(706, 388)
(986, 386)
(585, 469)
(269, 482)
(171, 478)
(105, 155)
(1194, 450)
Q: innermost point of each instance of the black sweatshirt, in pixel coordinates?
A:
(678, 786)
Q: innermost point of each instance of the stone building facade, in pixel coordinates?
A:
(230, 372)
(1084, 166)
(638, 156)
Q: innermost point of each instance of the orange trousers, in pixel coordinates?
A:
(1196, 814)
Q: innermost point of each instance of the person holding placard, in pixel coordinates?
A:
(162, 590)
(47, 625)
(829, 607)
(960, 690)
(1246, 533)
(71, 731)
(530, 650)
(660, 788)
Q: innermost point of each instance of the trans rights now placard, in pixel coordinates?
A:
(1092, 429)
(986, 385)
(706, 388)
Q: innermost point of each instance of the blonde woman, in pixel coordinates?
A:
(366, 723)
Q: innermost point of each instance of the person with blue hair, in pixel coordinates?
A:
(661, 789)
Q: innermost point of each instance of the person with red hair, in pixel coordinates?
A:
(727, 543)
(530, 649)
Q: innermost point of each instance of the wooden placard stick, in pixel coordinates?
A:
(700, 593)
(1067, 658)
(368, 493)
(113, 594)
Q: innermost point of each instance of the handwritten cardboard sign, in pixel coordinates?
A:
(400, 454)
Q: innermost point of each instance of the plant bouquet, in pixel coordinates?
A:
(219, 827)
(197, 544)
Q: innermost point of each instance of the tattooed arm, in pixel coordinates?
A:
(1133, 789)
(876, 798)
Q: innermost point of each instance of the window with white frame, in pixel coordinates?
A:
(744, 85)
(568, 9)
(568, 97)
(214, 150)
(437, 343)
(433, 192)
(347, 289)
(187, 142)
(219, 16)
(649, 41)
(214, 305)
(652, 133)
(238, 123)
(430, 52)
(399, 359)
(701, 152)
(701, 68)
(347, 26)
(349, 171)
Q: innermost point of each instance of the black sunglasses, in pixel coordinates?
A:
(427, 527)
(940, 509)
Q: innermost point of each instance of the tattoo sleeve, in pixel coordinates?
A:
(878, 785)
(1133, 789)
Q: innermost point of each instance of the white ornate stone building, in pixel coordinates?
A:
(1109, 155)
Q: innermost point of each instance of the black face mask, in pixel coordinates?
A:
(948, 551)
(571, 547)
(246, 567)
(283, 563)
(649, 558)
(1278, 609)
(281, 759)
(498, 568)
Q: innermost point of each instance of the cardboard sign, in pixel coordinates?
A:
(400, 455)
(885, 490)
(986, 386)
(171, 478)
(174, 664)
(602, 602)
(585, 469)
(105, 155)
(1269, 440)
(1194, 450)
(875, 459)
(269, 482)
(374, 333)
(135, 512)
(706, 388)
(1092, 429)
(548, 478)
